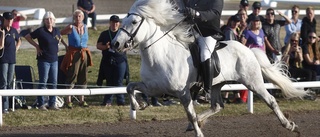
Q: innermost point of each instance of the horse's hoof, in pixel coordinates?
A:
(190, 128)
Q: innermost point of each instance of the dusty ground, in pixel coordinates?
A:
(245, 125)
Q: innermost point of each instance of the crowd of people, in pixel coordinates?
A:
(299, 50)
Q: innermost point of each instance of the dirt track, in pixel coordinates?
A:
(245, 125)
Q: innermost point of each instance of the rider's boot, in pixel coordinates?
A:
(207, 75)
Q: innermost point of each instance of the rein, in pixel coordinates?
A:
(131, 42)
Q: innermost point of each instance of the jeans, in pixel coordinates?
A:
(91, 15)
(115, 74)
(48, 73)
(6, 79)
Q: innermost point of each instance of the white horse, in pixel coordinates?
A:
(167, 66)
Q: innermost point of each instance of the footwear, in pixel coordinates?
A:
(238, 101)
(69, 105)
(158, 104)
(94, 28)
(5, 111)
(108, 105)
(84, 104)
(196, 103)
(170, 102)
(43, 108)
(207, 75)
(54, 107)
(226, 100)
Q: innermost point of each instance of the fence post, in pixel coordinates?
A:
(250, 101)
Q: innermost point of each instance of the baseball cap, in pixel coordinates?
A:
(7, 15)
(244, 2)
(256, 4)
(115, 18)
(235, 18)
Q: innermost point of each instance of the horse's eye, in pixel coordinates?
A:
(134, 22)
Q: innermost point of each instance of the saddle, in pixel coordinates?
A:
(195, 53)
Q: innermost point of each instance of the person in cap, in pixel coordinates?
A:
(206, 15)
(271, 28)
(88, 8)
(256, 8)
(9, 44)
(113, 65)
(244, 4)
(77, 59)
(47, 46)
(254, 36)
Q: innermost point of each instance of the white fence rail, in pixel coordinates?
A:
(121, 90)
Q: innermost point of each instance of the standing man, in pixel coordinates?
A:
(256, 8)
(309, 24)
(113, 63)
(206, 16)
(271, 28)
(88, 8)
(295, 25)
(9, 44)
(244, 4)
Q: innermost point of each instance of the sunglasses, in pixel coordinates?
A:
(270, 13)
(312, 37)
(294, 11)
(293, 40)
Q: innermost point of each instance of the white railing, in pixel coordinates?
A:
(122, 90)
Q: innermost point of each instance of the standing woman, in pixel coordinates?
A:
(9, 44)
(78, 57)
(48, 37)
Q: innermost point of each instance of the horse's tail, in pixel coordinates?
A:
(276, 75)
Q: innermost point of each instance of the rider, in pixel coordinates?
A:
(206, 15)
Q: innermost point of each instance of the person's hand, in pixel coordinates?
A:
(189, 12)
(317, 62)
(39, 52)
(280, 13)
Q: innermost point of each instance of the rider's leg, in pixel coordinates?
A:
(207, 45)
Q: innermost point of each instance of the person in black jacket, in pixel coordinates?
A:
(206, 16)
(309, 24)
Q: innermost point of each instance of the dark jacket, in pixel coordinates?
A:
(307, 27)
(210, 13)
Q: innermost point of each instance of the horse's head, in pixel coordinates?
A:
(130, 33)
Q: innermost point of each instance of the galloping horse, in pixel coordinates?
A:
(155, 27)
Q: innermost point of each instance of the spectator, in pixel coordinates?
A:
(78, 57)
(154, 100)
(293, 57)
(17, 18)
(88, 8)
(243, 21)
(113, 63)
(231, 33)
(256, 8)
(9, 44)
(271, 28)
(244, 4)
(309, 24)
(311, 53)
(48, 37)
(254, 36)
(294, 26)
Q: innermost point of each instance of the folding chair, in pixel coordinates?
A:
(25, 77)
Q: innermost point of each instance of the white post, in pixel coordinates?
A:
(250, 101)
(1, 111)
(13, 88)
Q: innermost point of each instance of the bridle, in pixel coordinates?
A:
(130, 42)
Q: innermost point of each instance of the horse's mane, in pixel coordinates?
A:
(165, 14)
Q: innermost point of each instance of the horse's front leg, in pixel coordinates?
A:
(187, 103)
(140, 86)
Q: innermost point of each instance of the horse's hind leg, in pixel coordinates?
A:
(216, 104)
(130, 90)
(272, 103)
